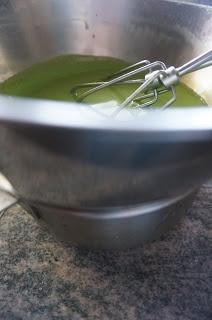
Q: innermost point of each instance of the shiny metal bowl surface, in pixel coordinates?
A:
(66, 157)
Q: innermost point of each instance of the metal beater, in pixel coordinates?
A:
(157, 80)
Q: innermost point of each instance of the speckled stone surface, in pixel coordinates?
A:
(170, 279)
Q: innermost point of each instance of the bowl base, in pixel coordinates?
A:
(120, 228)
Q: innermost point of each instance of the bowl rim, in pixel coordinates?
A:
(173, 124)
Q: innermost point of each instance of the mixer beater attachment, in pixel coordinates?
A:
(157, 80)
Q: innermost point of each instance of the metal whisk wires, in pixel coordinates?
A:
(157, 79)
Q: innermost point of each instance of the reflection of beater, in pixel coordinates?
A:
(158, 80)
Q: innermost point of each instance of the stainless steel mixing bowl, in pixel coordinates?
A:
(96, 181)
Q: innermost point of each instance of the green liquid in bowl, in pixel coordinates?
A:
(53, 79)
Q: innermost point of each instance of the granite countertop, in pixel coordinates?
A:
(40, 278)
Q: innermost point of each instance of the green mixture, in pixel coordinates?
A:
(53, 79)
